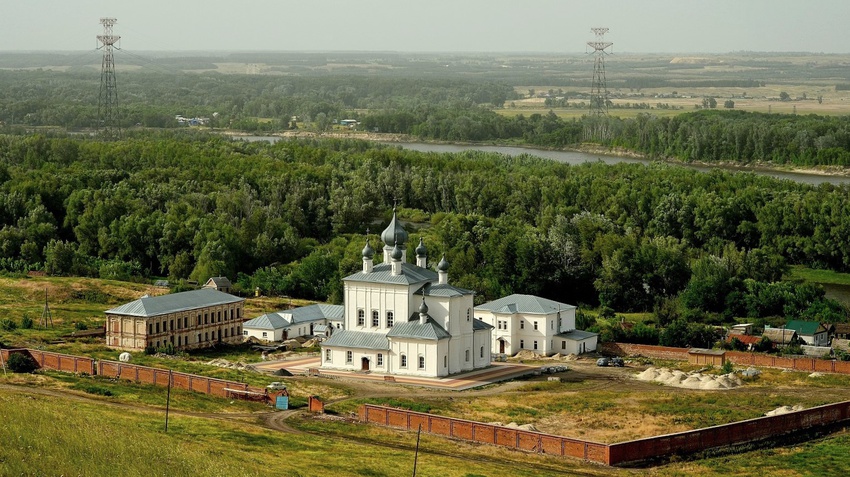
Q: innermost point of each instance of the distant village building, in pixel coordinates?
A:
(186, 320)
(780, 337)
(221, 284)
(306, 321)
(527, 322)
(811, 332)
(402, 318)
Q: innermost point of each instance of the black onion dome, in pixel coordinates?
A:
(423, 308)
(368, 251)
(396, 253)
(443, 266)
(421, 251)
(394, 233)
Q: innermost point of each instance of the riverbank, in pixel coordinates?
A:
(584, 148)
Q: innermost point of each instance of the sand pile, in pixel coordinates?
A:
(223, 363)
(679, 379)
(784, 410)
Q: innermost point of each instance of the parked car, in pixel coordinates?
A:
(603, 361)
(276, 386)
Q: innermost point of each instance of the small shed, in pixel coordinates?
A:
(713, 357)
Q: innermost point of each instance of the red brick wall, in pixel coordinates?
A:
(484, 433)
(159, 377)
(726, 435)
(62, 362)
(631, 452)
(737, 357)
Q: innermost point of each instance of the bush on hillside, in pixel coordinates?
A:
(21, 363)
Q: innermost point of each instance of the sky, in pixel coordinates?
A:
(636, 26)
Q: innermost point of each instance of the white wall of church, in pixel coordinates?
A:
(481, 349)
(338, 358)
(434, 355)
(383, 299)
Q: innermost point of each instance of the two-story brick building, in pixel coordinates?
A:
(186, 320)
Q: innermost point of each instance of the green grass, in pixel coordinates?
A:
(47, 436)
(825, 457)
(811, 275)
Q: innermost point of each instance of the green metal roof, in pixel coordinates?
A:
(357, 339)
(480, 325)
(319, 311)
(576, 335)
(148, 306)
(415, 330)
(525, 304)
(382, 273)
(808, 328)
(269, 321)
(443, 291)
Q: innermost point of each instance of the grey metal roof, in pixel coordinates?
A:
(576, 335)
(480, 325)
(269, 321)
(382, 273)
(779, 335)
(220, 282)
(320, 328)
(148, 306)
(525, 304)
(357, 339)
(319, 311)
(443, 291)
(415, 330)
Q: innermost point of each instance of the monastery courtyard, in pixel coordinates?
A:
(459, 382)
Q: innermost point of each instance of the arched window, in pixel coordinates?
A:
(375, 318)
(467, 355)
(348, 356)
(390, 319)
(421, 362)
(468, 313)
(404, 361)
(361, 318)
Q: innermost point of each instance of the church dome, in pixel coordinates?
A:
(421, 251)
(396, 253)
(368, 251)
(443, 266)
(423, 308)
(394, 233)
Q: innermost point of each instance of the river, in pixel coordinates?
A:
(575, 158)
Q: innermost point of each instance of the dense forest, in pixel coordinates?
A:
(430, 108)
(290, 218)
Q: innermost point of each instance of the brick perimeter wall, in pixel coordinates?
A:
(741, 432)
(56, 361)
(159, 377)
(630, 452)
(485, 433)
(739, 358)
(133, 372)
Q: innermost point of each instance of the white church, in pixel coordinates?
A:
(404, 319)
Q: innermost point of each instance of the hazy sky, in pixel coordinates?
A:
(431, 25)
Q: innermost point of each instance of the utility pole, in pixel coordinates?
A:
(107, 101)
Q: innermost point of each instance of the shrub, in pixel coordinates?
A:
(727, 367)
(7, 324)
(27, 322)
(80, 326)
(92, 389)
(21, 363)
